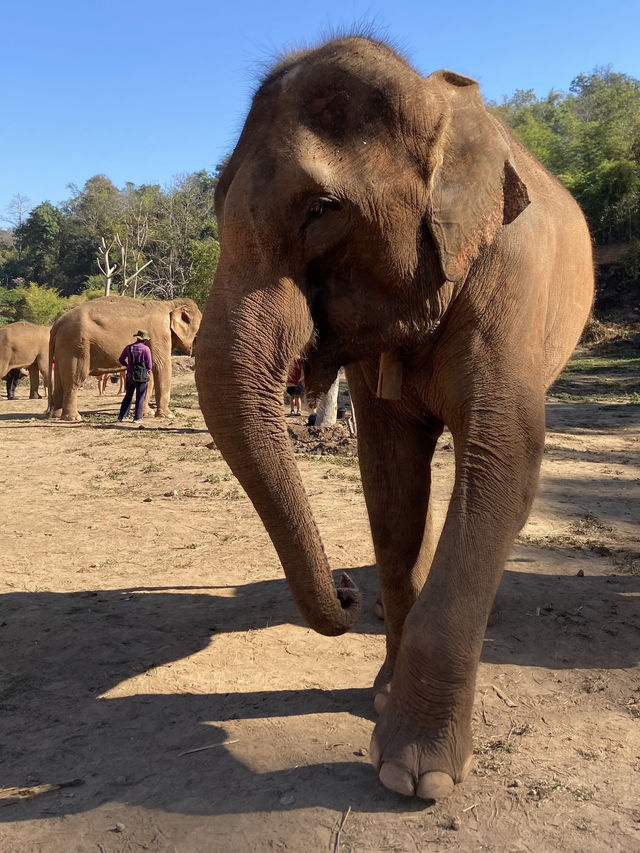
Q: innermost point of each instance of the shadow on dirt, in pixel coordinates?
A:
(561, 622)
(26, 417)
(62, 652)
(150, 425)
(613, 457)
(611, 497)
(580, 417)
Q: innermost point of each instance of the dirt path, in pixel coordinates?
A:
(150, 650)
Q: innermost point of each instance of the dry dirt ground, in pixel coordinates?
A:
(152, 657)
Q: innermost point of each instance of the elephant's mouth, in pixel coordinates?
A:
(340, 337)
(326, 352)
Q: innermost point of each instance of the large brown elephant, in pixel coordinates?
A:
(373, 218)
(89, 339)
(25, 345)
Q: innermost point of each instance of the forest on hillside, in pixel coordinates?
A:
(158, 242)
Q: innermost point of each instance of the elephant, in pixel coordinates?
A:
(24, 344)
(90, 338)
(374, 218)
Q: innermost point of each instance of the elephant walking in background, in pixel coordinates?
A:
(90, 338)
(374, 218)
(24, 345)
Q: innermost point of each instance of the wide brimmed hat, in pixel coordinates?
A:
(141, 335)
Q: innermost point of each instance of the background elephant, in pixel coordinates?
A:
(25, 345)
(89, 339)
(373, 218)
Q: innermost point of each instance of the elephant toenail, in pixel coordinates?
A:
(435, 786)
(380, 702)
(374, 753)
(397, 779)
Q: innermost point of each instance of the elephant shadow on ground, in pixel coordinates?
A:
(565, 621)
(62, 652)
(578, 418)
(25, 417)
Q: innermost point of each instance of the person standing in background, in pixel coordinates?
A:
(137, 359)
(295, 387)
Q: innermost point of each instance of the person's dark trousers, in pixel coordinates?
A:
(140, 389)
(12, 382)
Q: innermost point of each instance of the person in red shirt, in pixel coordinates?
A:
(295, 387)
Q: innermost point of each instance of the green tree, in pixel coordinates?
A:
(76, 255)
(205, 255)
(590, 138)
(98, 206)
(9, 299)
(38, 304)
(186, 216)
(40, 238)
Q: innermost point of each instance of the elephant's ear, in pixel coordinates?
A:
(182, 324)
(474, 189)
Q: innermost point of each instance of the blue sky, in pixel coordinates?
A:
(143, 91)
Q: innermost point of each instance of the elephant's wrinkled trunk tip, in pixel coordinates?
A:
(349, 596)
(343, 619)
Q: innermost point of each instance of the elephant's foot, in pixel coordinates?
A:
(416, 761)
(35, 396)
(70, 416)
(164, 413)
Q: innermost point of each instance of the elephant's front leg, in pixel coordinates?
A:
(162, 380)
(422, 744)
(395, 452)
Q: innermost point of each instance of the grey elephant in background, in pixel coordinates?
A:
(24, 345)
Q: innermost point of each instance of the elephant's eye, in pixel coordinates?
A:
(319, 207)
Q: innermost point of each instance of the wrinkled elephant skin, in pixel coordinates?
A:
(379, 220)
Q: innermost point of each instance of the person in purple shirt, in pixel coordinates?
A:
(137, 359)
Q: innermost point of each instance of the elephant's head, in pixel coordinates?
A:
(354, 204)
(184, 321)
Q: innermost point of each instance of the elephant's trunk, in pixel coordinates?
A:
(248, 338)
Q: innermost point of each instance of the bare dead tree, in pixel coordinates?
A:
(127, 280)
(17, 209)
(133, 243)
(105, 267)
